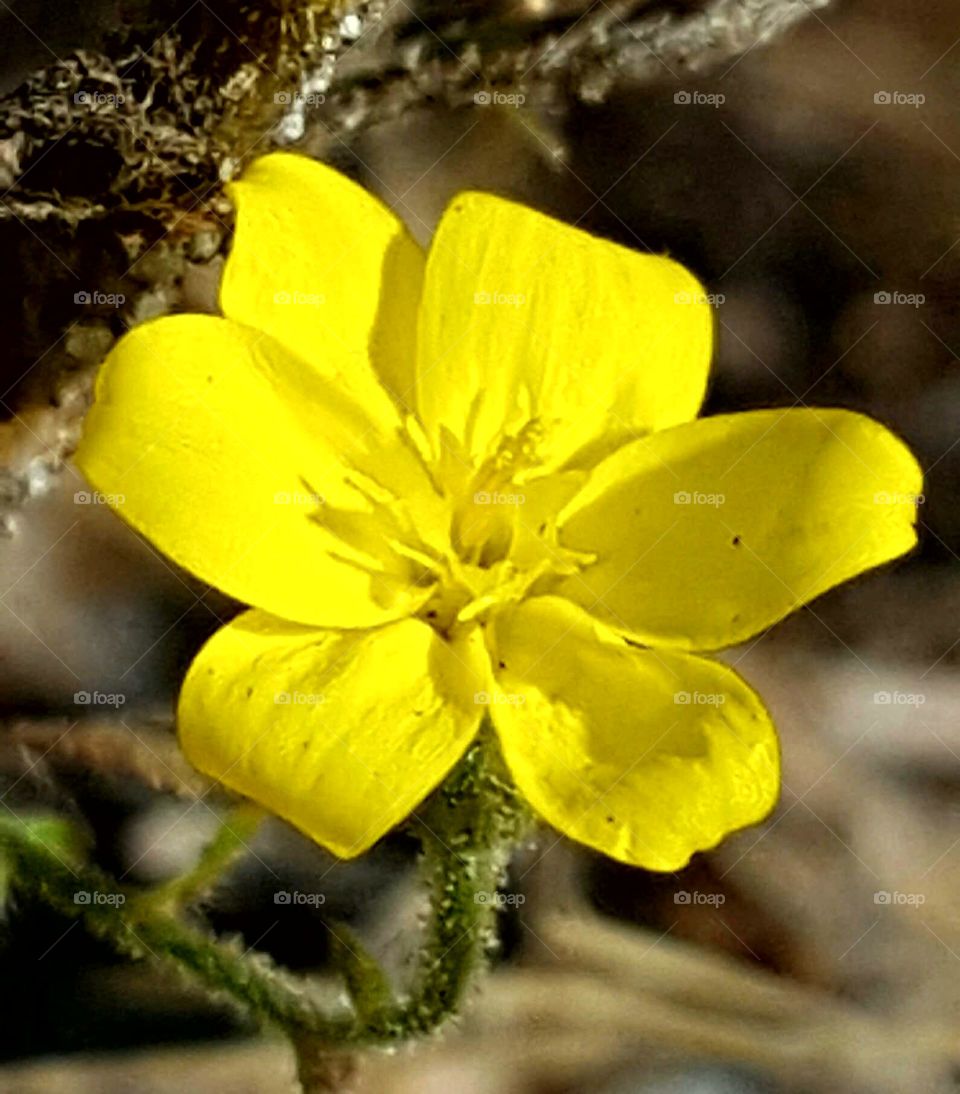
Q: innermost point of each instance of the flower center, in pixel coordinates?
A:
(486, 519)
(466, 593)
(503, 543)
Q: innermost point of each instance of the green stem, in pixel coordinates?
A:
(365, 980)
(237, 828)
(468, 828)
(137, 929)
(463, 883)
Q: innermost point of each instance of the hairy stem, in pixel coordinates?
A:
(237, 828)
(468, 828)
(42, 870)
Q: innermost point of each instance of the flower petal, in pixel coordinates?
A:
(342, 734)
(233, 456)
(525, 318)
(645, 755)
(319, 262)
(706, 534)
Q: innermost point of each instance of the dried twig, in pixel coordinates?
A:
(135, 749)
(584, 56)
(184, 110)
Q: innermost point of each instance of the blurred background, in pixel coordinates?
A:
(813, 183)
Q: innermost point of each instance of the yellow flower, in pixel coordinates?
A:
(470, 482)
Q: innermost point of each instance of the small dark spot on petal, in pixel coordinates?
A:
(502, 664)
(609, 820)
(249, 692)
(735, 541)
